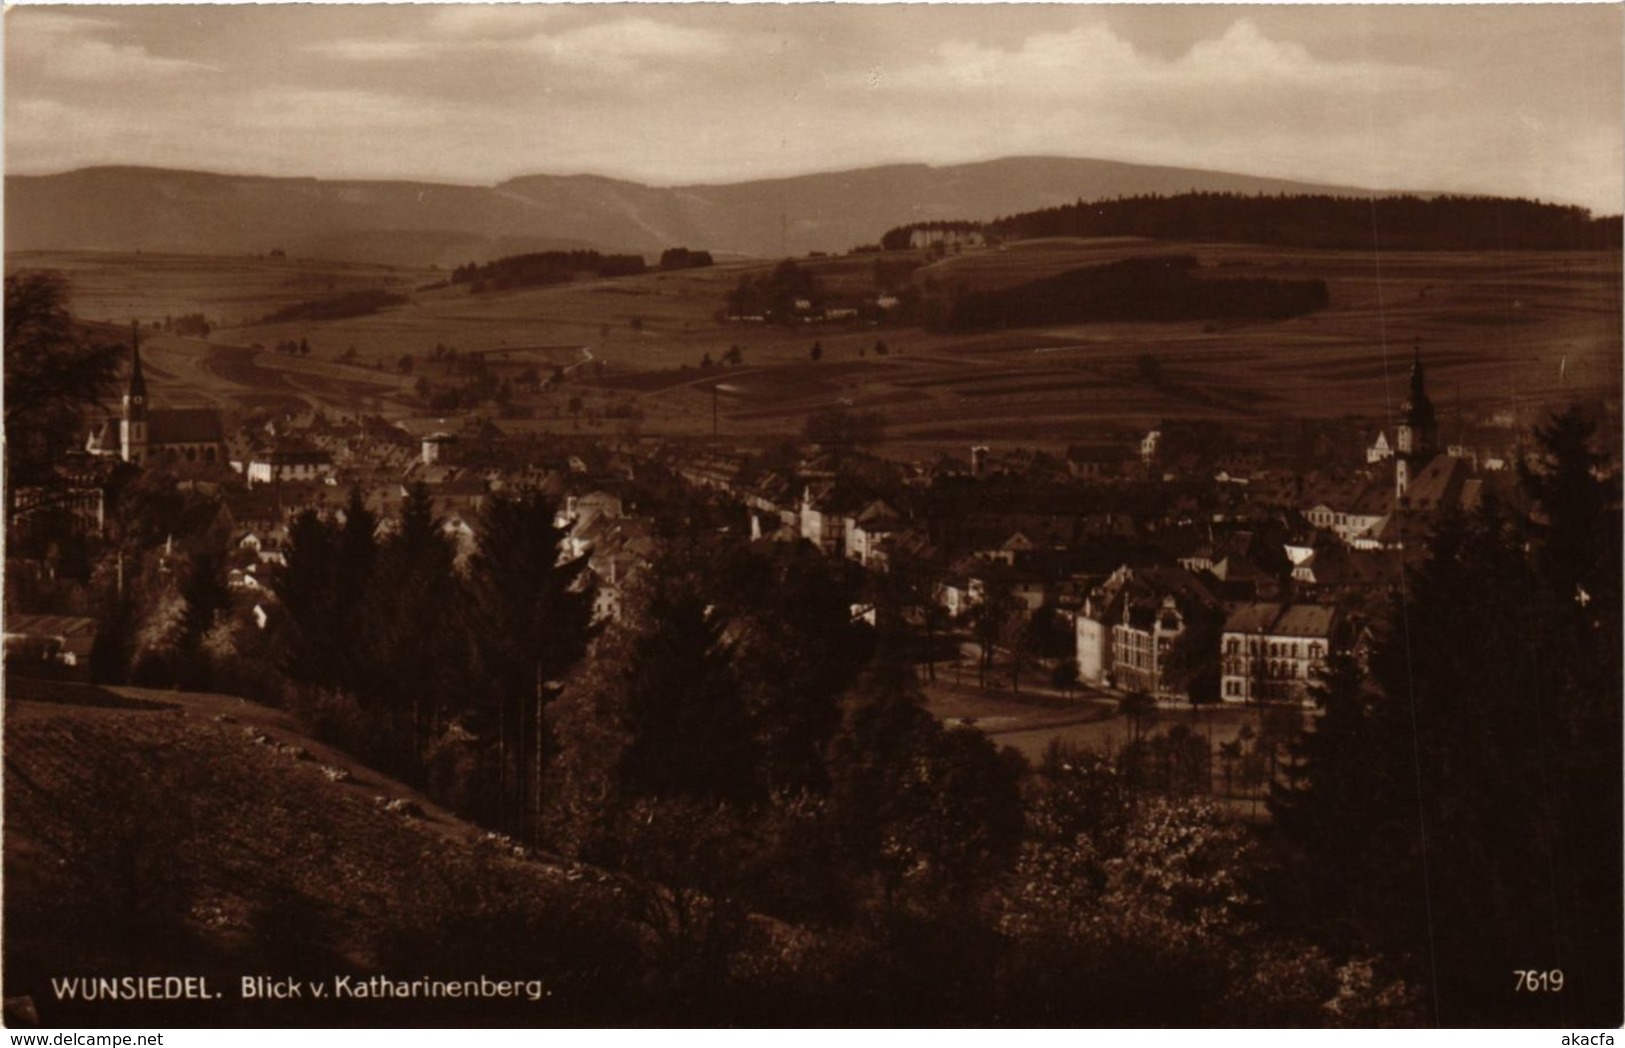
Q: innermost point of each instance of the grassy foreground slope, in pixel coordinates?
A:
(161, 833)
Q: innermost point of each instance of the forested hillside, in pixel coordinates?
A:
(1451, 223)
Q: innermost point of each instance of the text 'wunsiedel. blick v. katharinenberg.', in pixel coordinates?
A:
(287, 988)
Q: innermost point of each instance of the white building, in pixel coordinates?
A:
(291, 464)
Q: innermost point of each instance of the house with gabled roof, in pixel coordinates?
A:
(56, 644)
(867, 529)
(1351, 510)
(823, 513)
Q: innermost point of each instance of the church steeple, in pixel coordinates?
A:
(1418, 408)
(133, 421)
(1418, 434)
(135, 397)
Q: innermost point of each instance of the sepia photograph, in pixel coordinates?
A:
(812, 515)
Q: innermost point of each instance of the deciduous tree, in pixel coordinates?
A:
(54, 376)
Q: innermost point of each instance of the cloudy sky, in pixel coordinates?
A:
(1522, 99)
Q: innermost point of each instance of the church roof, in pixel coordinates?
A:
(1438, 485)
(184, 426)
(295, 455)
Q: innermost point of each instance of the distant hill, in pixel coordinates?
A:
(422, 223)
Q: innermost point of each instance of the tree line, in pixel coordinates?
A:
(774, 295)
(1452, 223)
(683, 258)
(541, 268)
(1395, 222)
(336, 307)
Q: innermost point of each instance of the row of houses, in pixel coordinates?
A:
(1126, 622)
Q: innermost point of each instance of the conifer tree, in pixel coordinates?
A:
(1463, 817)
(532, 614)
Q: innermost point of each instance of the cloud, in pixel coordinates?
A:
(1505, 99)
(623, 44)
(319, 110)
(360, 49)
(1092, 58)
(71, 48)
(499, 22)
(614, 47)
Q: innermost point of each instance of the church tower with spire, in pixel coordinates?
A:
(1418, 435)
(132, 434)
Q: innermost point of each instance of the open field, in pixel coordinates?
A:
(1089, 721)
(117, 287)
(1508, 330)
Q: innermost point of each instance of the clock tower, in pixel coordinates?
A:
(133, 420)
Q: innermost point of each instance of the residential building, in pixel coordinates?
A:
(1129, 623)
(289, 463)
(1272, 653)
(867, 529)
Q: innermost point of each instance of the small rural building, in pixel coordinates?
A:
(58, 645)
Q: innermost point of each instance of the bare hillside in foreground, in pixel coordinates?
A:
(203, 835)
